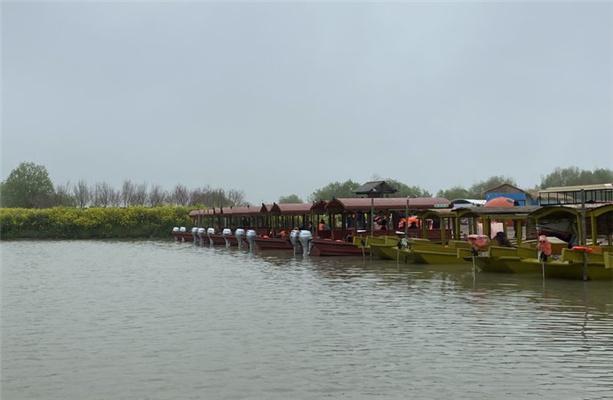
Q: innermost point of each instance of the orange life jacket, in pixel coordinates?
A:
(544, 246)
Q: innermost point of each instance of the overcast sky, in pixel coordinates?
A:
(283, 98)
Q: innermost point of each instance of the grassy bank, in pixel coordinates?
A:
(91, 223)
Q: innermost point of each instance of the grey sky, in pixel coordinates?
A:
(284, 98)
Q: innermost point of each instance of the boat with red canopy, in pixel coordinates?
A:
(283, 218)
(351, 217)
(228, 219)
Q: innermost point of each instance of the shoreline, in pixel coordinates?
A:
(90, 223)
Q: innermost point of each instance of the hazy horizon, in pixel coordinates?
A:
(282, 98)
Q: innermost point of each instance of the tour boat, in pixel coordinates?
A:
(591, 262)
(348, 216)
(282, 219)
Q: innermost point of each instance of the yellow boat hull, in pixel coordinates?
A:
(506, 264)
(386, 252)
(438, 257)
(553, 269)
(572, 270)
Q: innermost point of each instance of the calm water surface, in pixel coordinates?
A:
(159, 320)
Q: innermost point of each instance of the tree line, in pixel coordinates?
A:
(570, 176)
(29, 186)
(559, 177)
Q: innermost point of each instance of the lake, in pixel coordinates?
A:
(163, 320)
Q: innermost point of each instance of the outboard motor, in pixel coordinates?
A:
(194, 234)
(293, 238)
(182, 230)
(226, 234)
(175, 233)
(305, 238)
(251, 235)
(240, 234)
(209, 233)
(201, 233)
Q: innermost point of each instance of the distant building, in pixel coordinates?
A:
(520, 197)
(600, 193)
(375, 189)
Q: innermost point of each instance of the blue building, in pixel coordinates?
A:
(520, 197)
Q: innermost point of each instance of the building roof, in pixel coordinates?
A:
(375, 188)
(509, 189)
(563, 189)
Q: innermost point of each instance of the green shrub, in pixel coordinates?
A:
(76, 223)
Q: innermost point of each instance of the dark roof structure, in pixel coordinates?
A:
(375, 189)
(506, 188)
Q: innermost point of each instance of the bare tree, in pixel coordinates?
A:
(62, 196)
(114, 197)
(236, 198)
(214, 197)
(157, 196)
(127, 192)
(180, 195)
(197, 197)
(102, 194)
(140, 195)
(93, 196)
(81, 193)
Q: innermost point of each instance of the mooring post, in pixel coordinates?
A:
(583, 236)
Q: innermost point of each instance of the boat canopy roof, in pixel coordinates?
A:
(319, 206)
(291, 208)
(437, 213)
(596, 209)
(501, 211)
(238, 211)
(243, 211)
(207, 211)
(516, 212)
(604, 219)
(279, 209)
(385, 204)
(601, 210)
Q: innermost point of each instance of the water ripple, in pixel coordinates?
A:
(151, 319)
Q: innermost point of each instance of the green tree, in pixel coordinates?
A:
(404, 190)
(336, 189)
(27, 186)
(292, 198)
(455, 192)
(477, 191)
(572, 176)
(602, 175)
